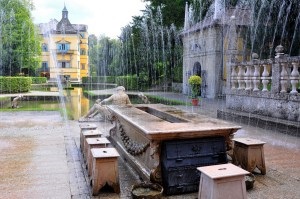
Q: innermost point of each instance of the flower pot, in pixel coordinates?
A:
(146, 191)
(195, 102)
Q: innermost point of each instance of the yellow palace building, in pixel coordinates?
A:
(64, 49)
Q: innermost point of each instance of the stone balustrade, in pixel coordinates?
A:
(267, 87)
(257, 75)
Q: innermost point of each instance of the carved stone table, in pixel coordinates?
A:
(90, 144)
(105, 169)
(222, 181)
(249, 154)
(140, 132)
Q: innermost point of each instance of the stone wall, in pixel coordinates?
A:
(280, 105)
(206, 48)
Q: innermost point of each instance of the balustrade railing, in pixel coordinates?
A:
(280, 74)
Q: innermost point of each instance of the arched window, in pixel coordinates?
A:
(45, 47)
(197, 69)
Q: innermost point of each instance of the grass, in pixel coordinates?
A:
(163, 100)
(30, 106)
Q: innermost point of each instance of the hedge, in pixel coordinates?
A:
(99, 79)
(129, 82)
(15, 84)
(39, 80)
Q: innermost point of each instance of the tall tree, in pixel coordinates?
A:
(172, 10)
(20, 47)
(104, 56)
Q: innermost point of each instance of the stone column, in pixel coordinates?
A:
(186, 17)
(232, 49)
(294, 77)
(275, 88)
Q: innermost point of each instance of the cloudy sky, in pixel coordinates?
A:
(102, 16)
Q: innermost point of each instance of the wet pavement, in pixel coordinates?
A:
(40, 158)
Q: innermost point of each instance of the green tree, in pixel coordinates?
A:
(20, 47)
(151, 49)
(104, 56)
(172, 10)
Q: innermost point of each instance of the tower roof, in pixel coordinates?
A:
(65, 26)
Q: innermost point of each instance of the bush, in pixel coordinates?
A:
(99, 79)
(177, 74)
(195, 81)
(39, 80)
(129, 82)
(15, 84)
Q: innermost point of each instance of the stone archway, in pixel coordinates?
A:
(197, 69)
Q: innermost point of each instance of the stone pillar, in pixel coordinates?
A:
(265, 78)
(294, 77)
(284, 77)
(275, 88)
(218, 9)
(255, 75)
(186, 17)
(232, 49)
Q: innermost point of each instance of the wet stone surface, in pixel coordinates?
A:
(41, 158)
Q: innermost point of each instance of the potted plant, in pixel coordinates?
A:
(195, 83)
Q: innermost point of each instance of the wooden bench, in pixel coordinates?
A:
(85, 127)
(88, 134)
(222, 181)
(105, 169)
(90, 144)
(249, 154)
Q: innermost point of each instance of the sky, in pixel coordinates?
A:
(103, 17)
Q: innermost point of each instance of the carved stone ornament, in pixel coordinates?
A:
(132, 147)
(155, 175)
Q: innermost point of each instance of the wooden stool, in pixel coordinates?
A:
(105, 169)
(249, 154)
(88, 134)
(222, 181)
(85, 127)
(90, 144)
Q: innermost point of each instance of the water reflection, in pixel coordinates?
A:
(76, 103)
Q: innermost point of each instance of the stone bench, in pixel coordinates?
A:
(222, 181)
(105, 169)
(249, 154)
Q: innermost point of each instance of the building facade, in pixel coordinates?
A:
(209, 44)
(64, 50)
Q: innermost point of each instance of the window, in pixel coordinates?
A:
(63, 47)
(82, 51)
(44, 66)
(82, 66)
(44, 47)
(63, 64)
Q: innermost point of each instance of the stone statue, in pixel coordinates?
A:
(96, 109)
(120, 98)
(15, 101)
(144, 98)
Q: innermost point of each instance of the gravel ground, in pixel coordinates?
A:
(40, 158)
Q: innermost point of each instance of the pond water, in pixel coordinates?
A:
(76, 103)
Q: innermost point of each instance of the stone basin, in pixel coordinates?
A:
(140, 130)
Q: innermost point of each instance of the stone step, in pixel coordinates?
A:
(270, 123)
